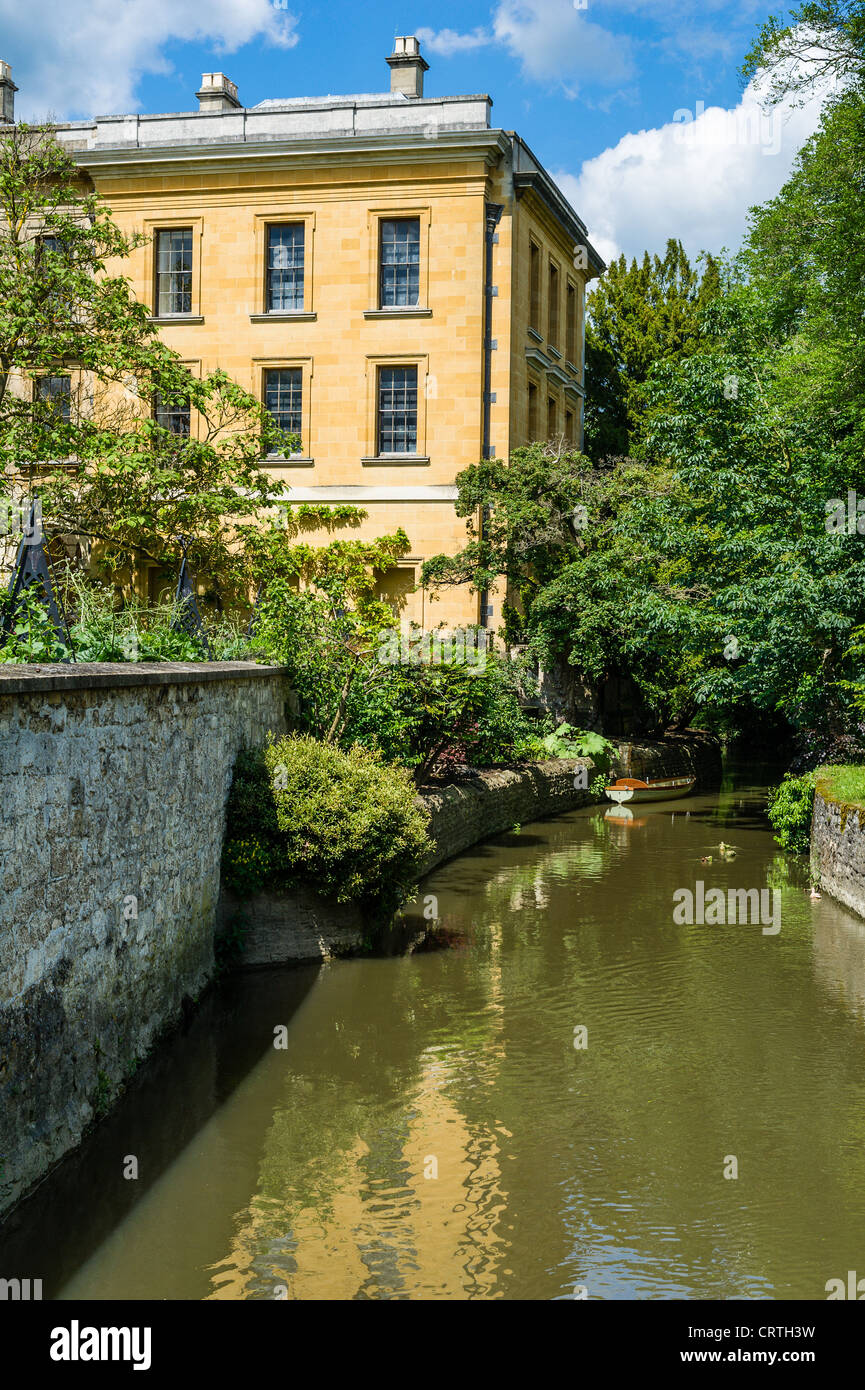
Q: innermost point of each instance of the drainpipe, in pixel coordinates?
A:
(492, 217)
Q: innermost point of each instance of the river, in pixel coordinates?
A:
(576, 1097)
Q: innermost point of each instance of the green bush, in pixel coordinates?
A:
(569, 742)
(790, 808)
(343, 822)
(505, 729)
(100, 628)
(30, 636)
(417, 697)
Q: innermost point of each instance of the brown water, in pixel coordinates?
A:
(430, 1130)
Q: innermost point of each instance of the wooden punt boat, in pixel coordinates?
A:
(665, 789)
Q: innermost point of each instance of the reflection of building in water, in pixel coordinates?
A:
(839, 954)
(532, 894)
(413, 1210)
(528, 884)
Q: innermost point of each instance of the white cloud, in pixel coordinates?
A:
(556, 43)
(446, 42)
(87, 59)
(553, 42)
(692, 179)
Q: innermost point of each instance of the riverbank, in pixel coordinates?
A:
(838, 846)
(279, 928)
(114, 781)
(425, 1129)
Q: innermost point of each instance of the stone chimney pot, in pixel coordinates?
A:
(407, 67)
(217, 93)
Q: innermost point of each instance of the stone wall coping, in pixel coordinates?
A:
(484, 779)
(825, 793)
(105, 675)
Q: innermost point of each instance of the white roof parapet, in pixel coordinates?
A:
(302, 119)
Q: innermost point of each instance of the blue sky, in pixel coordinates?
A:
(601, 89)
(561, 101)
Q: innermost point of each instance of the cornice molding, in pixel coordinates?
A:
(388, 148)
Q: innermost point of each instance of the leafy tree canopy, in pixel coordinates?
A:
(823, 43)
(637, 315)
(719, 566)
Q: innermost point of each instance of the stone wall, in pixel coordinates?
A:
(113, 782)
(492, 801)
(838, 849)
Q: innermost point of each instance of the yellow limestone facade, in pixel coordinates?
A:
(490, 228)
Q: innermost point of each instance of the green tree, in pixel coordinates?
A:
(704, 571)
(805, 256)
(823, 43)
(325, 633)
(532, 506)
(105, 469)
(638, 315)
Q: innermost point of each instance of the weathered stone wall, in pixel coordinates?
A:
(495, 800)
(838, 849)
(113, 782)
(279, 927)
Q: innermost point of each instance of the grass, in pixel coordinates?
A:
(844, 782)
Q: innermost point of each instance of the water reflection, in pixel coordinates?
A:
(431, 1130)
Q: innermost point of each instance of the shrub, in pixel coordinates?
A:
(568, 742)
(31, 635)
(505, 728)
(101, 628)
(343, 822)
(790, 808)
(359, 680)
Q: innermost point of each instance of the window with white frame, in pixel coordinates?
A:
(399, 262)
(283, 398)
(173, 271)
(397, 410)
(285, 268)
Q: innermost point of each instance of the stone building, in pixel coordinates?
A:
(397, 278)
